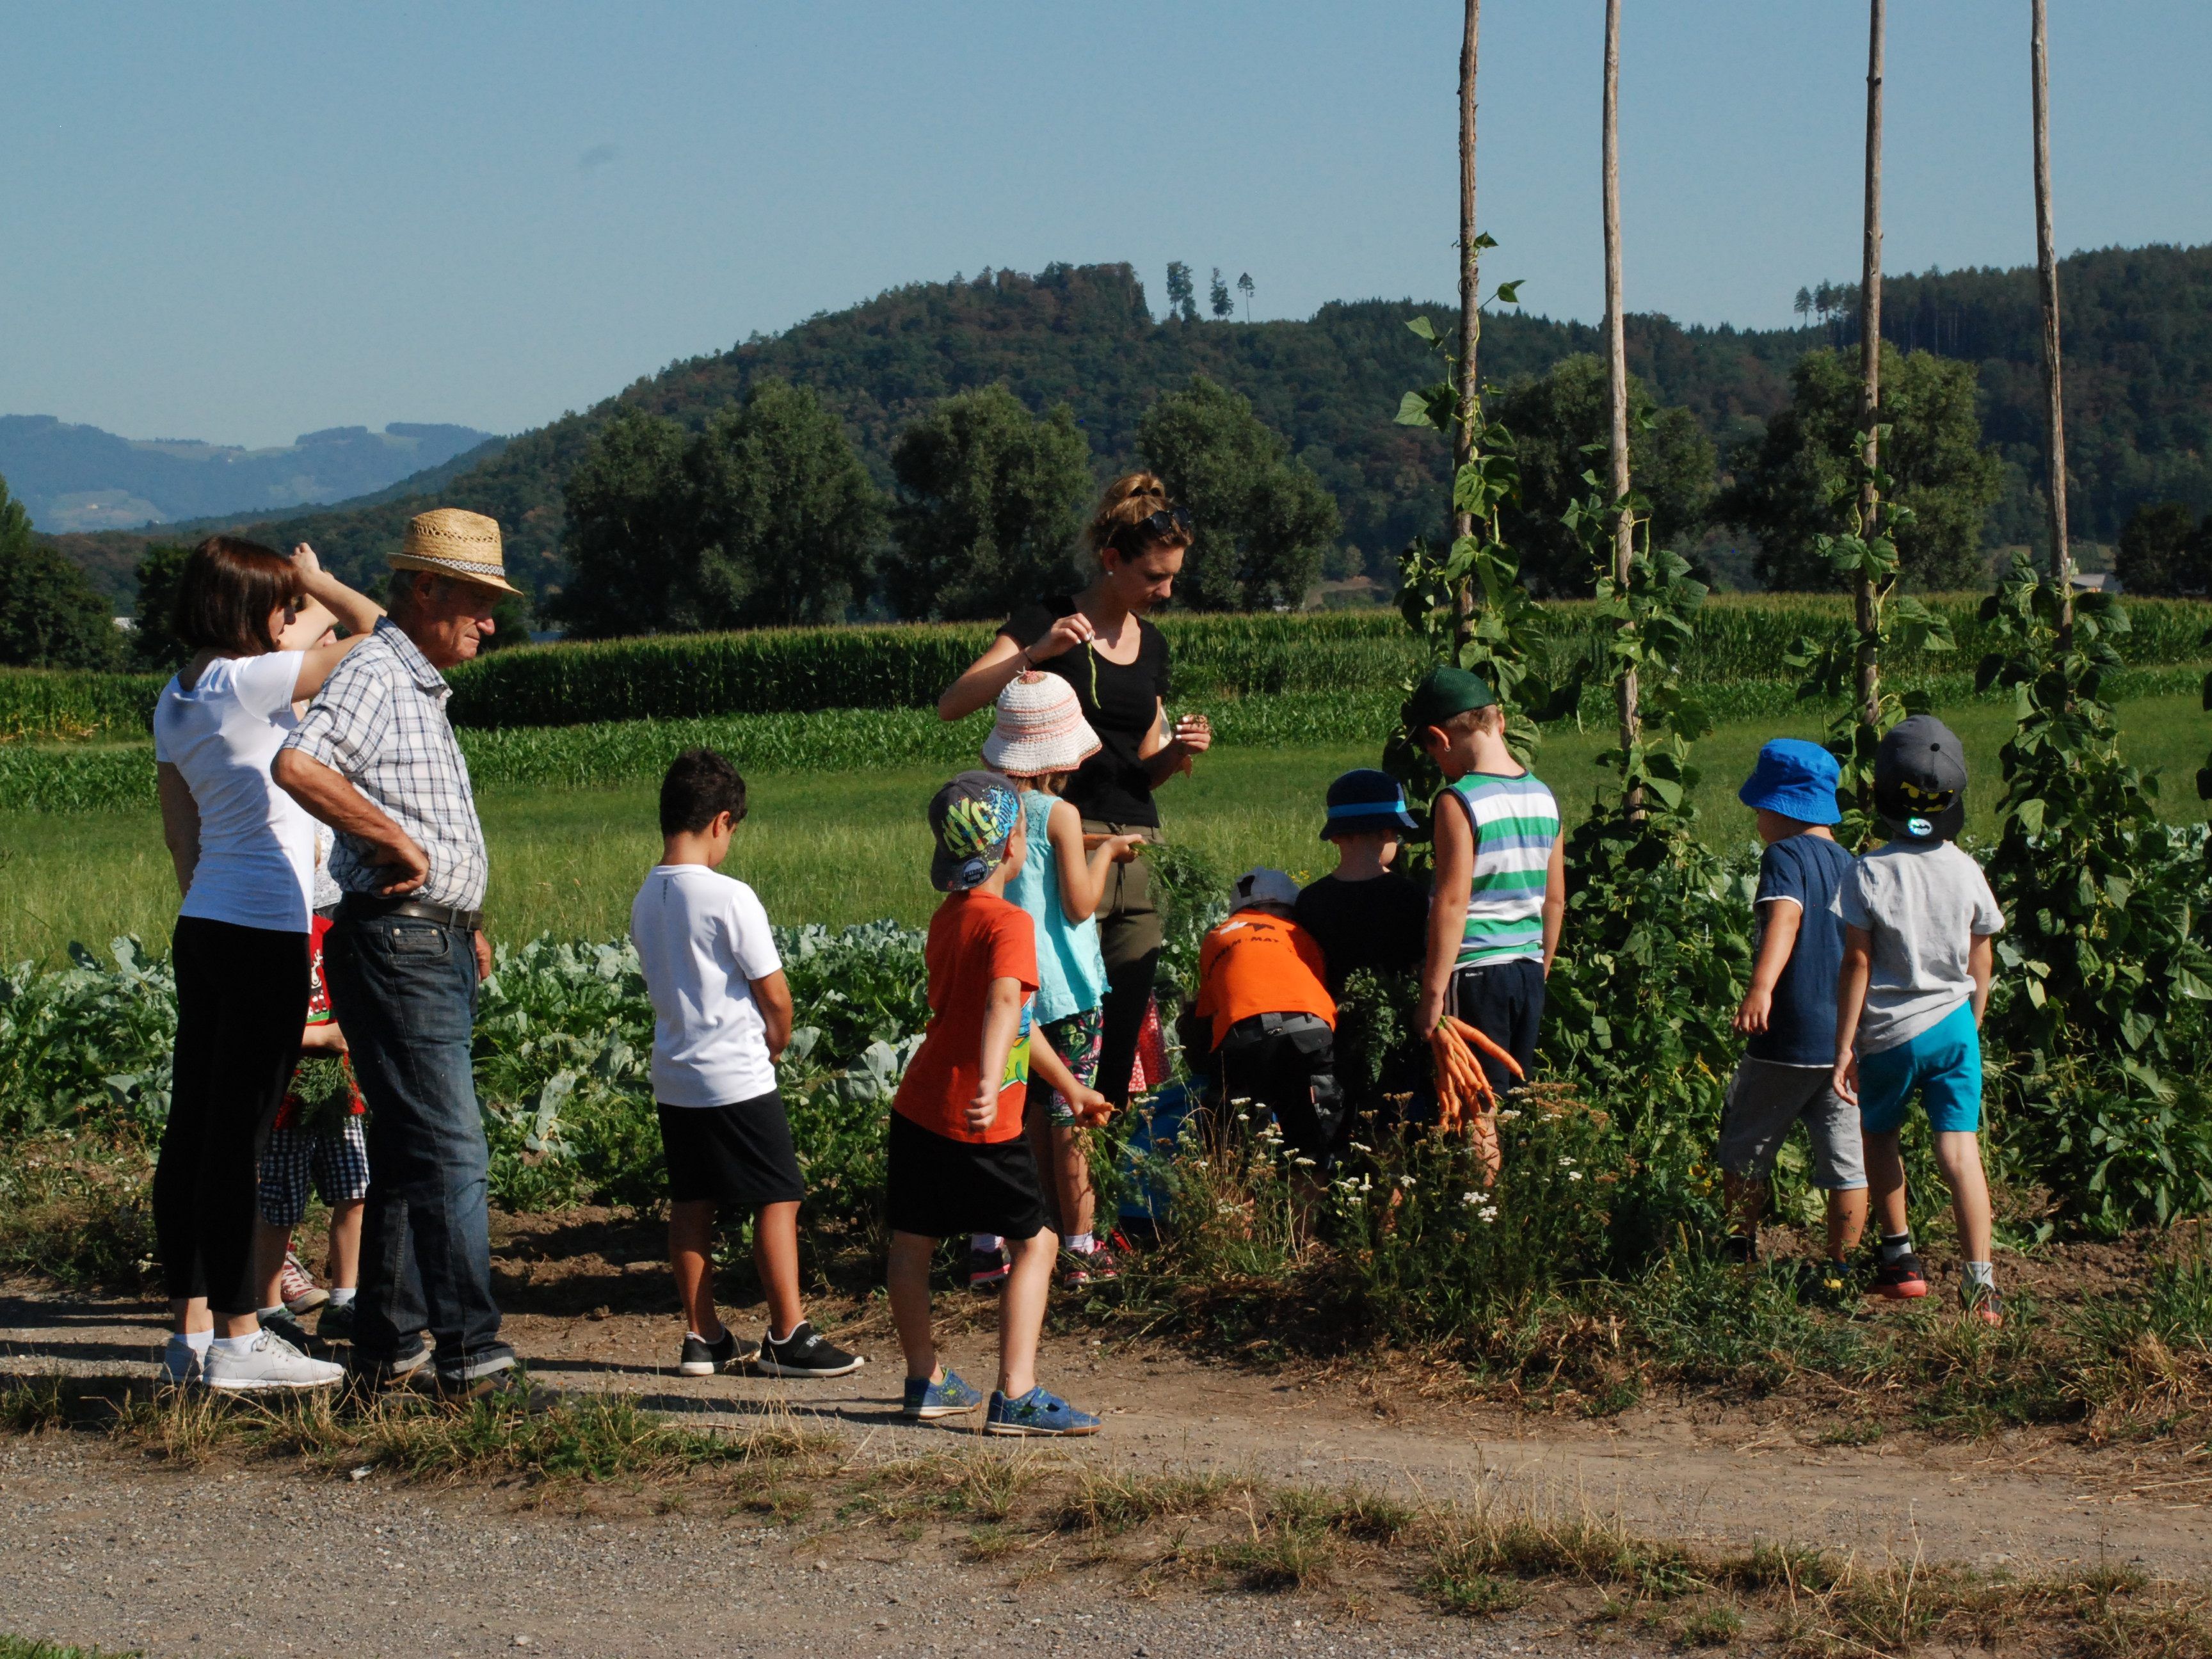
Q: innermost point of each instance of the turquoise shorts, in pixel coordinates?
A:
(1944, 1063)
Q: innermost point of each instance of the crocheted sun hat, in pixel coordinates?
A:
(1040, 728)
(454, 543)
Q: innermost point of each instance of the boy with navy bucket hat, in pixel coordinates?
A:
(1918, 918)
(1789, 1012)
(1365, 914)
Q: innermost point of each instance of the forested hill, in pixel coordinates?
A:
(2139, 367)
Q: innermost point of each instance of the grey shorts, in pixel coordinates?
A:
(1763, 1099)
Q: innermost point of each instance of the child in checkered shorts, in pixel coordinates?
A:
(316, 1141)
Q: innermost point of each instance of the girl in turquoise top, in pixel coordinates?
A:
(1039, 740)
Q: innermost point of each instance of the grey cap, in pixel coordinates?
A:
(1920, 779)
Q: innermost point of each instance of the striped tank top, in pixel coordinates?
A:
(1517, 824)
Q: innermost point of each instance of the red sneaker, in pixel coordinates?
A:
(1900, 1281)
(1982, 1302)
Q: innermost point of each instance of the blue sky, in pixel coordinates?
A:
(239, 222)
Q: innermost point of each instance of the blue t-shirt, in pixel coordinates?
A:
(1801, 1030)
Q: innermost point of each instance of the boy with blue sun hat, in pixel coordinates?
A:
(1788, 1012)
(1364, 914)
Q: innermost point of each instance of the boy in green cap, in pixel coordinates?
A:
(1500, 890)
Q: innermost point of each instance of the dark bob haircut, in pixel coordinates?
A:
(699, 784)
(229, 588)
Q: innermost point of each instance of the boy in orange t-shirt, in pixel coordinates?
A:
(1260, 981)
(959, 1164)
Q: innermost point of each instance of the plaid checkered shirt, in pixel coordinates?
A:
(380, 722)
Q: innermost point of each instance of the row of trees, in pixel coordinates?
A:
(1182, 294)
(767, 516)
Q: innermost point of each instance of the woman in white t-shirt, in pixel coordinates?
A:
(245, 855)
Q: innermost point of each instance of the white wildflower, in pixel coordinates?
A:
(1303, 1162)
(1574, 1175)
(1405, 1181)
(1357, 1147)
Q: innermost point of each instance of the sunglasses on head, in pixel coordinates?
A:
(1164, 523)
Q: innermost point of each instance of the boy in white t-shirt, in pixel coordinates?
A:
(721, 1015)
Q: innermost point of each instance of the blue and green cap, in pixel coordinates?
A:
(973, 817)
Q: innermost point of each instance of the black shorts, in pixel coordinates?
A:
(940, 1187)
(1287, 1063)
(1504, 1001)
(738, 1156)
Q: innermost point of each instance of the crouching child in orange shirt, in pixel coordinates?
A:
(1260, 981)
(959, 1164)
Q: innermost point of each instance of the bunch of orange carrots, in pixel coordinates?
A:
(1465, 1099)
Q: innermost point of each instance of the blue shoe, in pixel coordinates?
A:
(926, 1400)
(1037, 1412)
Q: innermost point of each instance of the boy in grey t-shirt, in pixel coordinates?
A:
(1918, 916)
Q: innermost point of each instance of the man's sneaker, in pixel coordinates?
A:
(1900, 1279)
(296, 1287)
(280, 1323)
(803, 1353)
(1739, 1249)
(180, 1362)
(1982, 1302)
(986, 1269)
(269, 1362)
(506, 1386)
(703, 1358)
(1037, 1412)
(337, 1324)
(926, 1400)
(366, 1379)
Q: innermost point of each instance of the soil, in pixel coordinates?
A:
(85, 1527)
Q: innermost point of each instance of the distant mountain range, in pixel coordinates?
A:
(2138, 336)
(80, 478)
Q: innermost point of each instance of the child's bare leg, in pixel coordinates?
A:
(1070, 1163)
(188, 1316)
(1746, 1201)
(906, 1277)
(690, 1246)
(1847, 1218)
(270, 1244)
(1958, 1155)
(343, 1262)
(1885, 1164)
(775, 1259)
(1021, 1310)
(1036, 1129)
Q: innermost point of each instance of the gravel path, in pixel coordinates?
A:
(97, 1547)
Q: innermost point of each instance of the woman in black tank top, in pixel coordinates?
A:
(1100, 642)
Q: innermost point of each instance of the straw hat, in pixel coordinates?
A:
(452, 543)
(1040, 728)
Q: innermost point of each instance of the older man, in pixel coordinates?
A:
(375, 759)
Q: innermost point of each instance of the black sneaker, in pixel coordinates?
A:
(1901, 1278)
(337, 1324)
(703, 1358)
(804, 1354)
(986, 1269)
(1739, 1249)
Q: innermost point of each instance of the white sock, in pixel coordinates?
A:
(265, 1315)
(196, 1340)
(237, 1345)
(1082, 1243)
(342, 1295)
(1982, 1273)
(986, 1242)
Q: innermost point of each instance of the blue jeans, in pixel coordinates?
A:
(405, 991)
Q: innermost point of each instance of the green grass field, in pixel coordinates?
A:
(853, 846)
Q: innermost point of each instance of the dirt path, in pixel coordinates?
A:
(1677, 1473)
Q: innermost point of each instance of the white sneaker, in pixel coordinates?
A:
(180, 1362)
(270, 1363)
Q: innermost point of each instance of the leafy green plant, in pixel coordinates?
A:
(1841, 668)
(2105, 974)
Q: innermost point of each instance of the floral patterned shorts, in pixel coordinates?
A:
(1076, 1040)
